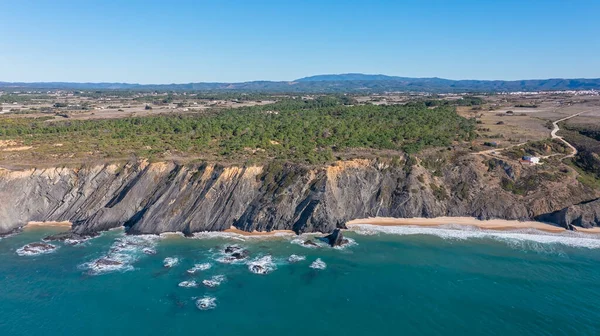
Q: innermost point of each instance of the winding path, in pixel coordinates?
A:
(556, 129)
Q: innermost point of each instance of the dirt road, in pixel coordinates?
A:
(556, 129)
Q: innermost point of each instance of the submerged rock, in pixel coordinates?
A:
(70, 237)
(264, 265)
(188, 284)
(232, 248)
(296, 258)
(107, 262)
(149, 251)
(243, 254)
(35, 249)
(336, 238)
(310, 243)
(318, 264)
(170, 262)
(11, 232)
(199, 267)
(234, 253)
(214, 281)
(206, 303)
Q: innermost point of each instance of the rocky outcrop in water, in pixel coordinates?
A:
(336, 238)
(166, 196)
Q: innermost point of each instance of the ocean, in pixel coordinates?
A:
(393, 280)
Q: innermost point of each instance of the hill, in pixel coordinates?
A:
(344, 83)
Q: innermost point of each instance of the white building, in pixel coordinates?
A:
(532, 159)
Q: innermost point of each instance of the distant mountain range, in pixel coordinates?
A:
(352, 83)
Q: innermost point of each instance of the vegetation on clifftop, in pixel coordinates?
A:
(309, 131)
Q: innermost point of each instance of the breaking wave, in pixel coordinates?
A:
(262, 265)
(170, 262)
(206, 303)
(33, 249)
(122, 254)
(239, 237)
(188, 284)
(318, 264)
(571, 239)
(199, 267)
(214, 281)
(294, 258)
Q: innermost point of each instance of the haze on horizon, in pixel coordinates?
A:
(233, 41)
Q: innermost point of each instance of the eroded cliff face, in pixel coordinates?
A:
(167, 197)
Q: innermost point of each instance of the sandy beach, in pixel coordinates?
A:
(65, 224)
(492, 224)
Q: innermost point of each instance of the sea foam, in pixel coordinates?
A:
(451, 232)
(318, 264)
(206, 303)
(33, 249)
(170, 262)
(122, 254)
(214, 281)
(262, 265)
(199, 267)
(188, 284)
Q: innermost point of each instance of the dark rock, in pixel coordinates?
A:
(70, 235)
(258, 269)
(231, 249)
(310, 243)
(11, 232)
(35, 248)
(107, 262)
(243, 254)
(148, 251)
(336, 238)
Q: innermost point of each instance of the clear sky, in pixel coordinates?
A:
(147, 41)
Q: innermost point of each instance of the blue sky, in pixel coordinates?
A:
(228, 41)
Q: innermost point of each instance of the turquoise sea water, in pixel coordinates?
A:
(408, 283)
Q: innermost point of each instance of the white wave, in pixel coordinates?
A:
(349, 243)
(122, 254)
(149, 250)
(188, 284)
(218, 235)
(33, 249)
(262, 265)
(294, 258)
(571, 239)
(170, 262)
(116, 262)
(214, 281)
(199, 267)
(318, 264)
(232, 254)
(309, 241)
(206, 303)
(240, 237)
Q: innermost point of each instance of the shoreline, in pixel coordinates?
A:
(437, 222)
(492, 224)
(258, 233)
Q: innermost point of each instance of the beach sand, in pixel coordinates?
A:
(492, 224)
(33, 225)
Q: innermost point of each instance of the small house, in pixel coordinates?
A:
(531, 159)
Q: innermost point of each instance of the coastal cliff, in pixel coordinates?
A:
(168, 196)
